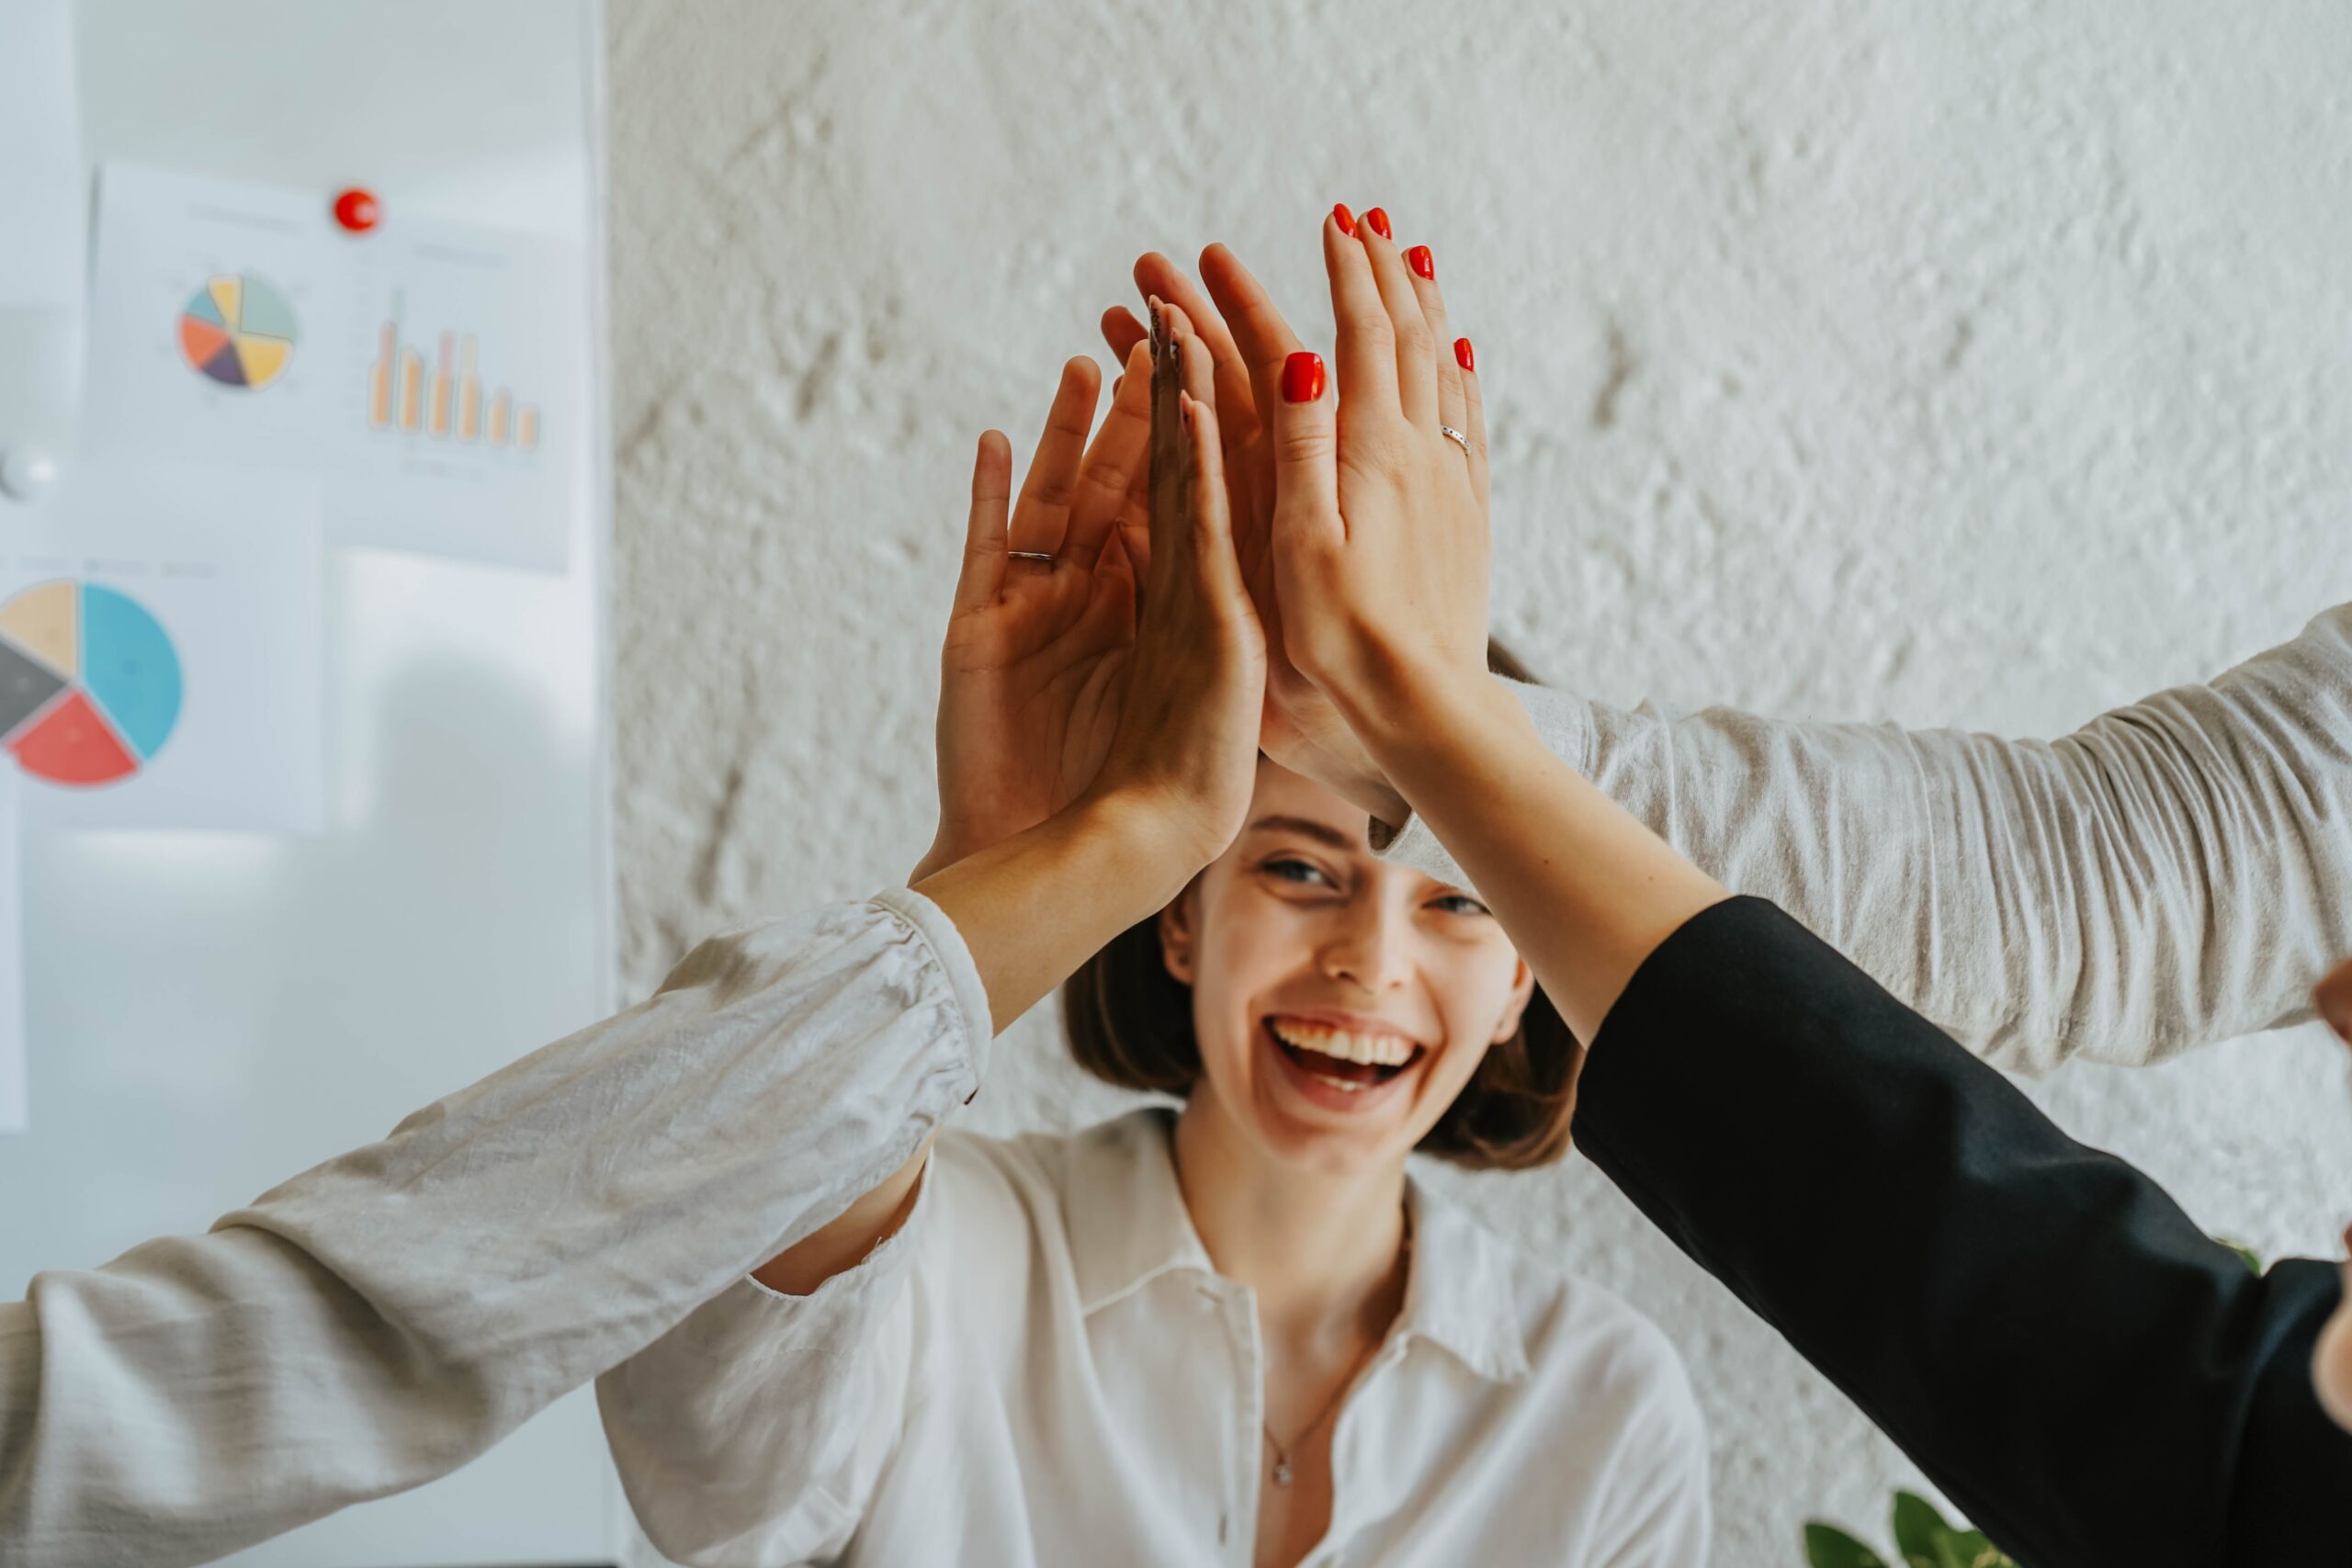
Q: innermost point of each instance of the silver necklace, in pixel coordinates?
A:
(1283, 1473)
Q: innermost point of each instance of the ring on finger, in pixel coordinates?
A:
(1456, 437)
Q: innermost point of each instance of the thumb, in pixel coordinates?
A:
(1306, 441)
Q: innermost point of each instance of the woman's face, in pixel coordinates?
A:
(1341, 1002)
(2332, 1365)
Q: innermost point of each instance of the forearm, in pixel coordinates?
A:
(2165, 876)
(1030, 910)
(2001, 1300)
(1033, 908)
(1586, 891)
(385, 1317)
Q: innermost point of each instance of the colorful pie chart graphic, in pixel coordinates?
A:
(238, 330)
(89, 683)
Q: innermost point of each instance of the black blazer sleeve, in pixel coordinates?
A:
(2084, 1372)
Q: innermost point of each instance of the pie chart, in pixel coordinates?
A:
(238, 330)
(89, 683)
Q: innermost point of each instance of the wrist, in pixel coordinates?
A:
(1139, 837)
(1422, 711)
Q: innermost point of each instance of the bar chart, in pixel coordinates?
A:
(445, 400)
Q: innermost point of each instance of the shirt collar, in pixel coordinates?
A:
(1128, 1225)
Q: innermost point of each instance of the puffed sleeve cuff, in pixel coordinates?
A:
(946, 951)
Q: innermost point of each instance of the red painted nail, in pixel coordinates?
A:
(1422, 262)
(1303, 378)
(1463, 354)
(1344, 218)
(1378, 219)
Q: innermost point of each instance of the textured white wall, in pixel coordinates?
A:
(1843, 360)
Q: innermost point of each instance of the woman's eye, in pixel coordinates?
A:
(1469, 906)
(1281, 868)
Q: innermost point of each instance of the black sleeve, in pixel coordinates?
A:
(2084, 1372)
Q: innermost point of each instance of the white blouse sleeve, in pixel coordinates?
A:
(755, 1432)
(2171, 874)
(383, 1319)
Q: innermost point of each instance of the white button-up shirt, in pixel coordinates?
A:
(1043, 1367)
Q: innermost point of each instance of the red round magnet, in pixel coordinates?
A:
(357, 211)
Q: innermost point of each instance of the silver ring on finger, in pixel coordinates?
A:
(1042, 556)
(1456, 437)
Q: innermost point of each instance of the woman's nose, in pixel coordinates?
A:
(1370, 947)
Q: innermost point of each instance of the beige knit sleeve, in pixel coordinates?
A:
(2173, 873)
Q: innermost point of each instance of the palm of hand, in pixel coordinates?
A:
(1037, 653)
(1030, 694)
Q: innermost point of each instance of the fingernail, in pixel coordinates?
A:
(1378, 219)
(1344, 218)
(1462, 355)
(1420, 259)
(1303, 378)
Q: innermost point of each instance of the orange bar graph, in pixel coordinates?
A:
(380, 380)
(448, 400)
(441, 390)
(412, 388)
(468, 394)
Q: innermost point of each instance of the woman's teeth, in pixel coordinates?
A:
(1374, 1050)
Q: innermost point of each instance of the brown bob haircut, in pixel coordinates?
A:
(1130, 1022)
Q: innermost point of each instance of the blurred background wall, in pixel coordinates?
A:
(1844, 358)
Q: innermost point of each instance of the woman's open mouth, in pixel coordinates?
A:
(1336, 1068)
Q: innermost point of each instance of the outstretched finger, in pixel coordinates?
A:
(1444, 362)
(1123, 332)
(1474, 403)
(1209, 518)
(1167, 509)
(1113, 464)
(1042, 514)
(1416, 360)
(982, 574)
(1366, 349)
(1236, 405)
(1260, 334)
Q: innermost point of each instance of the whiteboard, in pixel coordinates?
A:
(208, 1014)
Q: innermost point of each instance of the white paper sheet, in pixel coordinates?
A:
(161, 636)
(423, 372)
(12, 966)
(42, 204)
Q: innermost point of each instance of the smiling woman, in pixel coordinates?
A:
(1130, 1014)
(1238, 1331)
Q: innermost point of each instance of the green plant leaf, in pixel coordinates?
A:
(1826, 1546)
(2247, 1255)
(1968, 1549)
(1921, 1532)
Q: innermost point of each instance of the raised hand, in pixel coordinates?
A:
(1248, 343)
(1186, 742)
(1036, 652)
(1380, 541)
